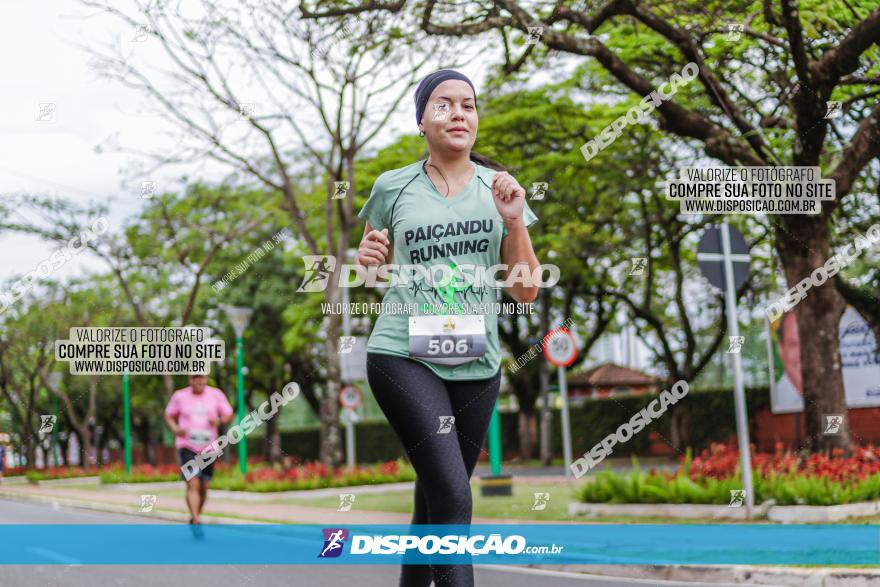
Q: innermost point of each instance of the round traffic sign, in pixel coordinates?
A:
(350, 397)
(560, 347)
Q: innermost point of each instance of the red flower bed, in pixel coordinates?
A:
(65, 472)
(34, 475)
(146, 473)
(314, 470)
(317, 470)
(148, 470)
(721, 461)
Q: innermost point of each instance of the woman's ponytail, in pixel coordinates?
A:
(486, 162)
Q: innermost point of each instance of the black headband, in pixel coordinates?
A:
(431, 81)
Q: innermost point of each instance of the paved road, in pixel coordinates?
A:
(22, 512)
(16, 512)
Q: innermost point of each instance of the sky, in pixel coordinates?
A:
(57, 156)
(56, 111)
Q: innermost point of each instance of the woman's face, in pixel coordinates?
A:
(450, 118)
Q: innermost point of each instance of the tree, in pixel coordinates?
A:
(265, 286)
(323, 97)
(524, 131)
(194, 226)
(27, 353)
(201, 231)
(21, 359)
(761, 101)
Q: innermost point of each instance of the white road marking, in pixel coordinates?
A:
(54, 556)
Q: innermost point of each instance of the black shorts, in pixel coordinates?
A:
(184, 455)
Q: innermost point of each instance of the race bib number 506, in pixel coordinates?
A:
(447, 340)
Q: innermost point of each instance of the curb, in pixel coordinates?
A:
(269, 495)
(741, 574)
(118, 509)
(804, 514)
(312, 493)
(147, 485)
(736, 574)
(786, 514)
(667, 510)
(90, 480)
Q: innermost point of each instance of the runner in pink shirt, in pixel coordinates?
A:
(194, 413)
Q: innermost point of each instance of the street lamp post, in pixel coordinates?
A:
(55, 382)
(14, 422)
(126, 417)
(239, 317)
(495, 442)
(349, 417)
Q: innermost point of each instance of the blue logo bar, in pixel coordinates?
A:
(266, 544)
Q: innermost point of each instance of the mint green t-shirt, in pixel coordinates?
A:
(426, 228)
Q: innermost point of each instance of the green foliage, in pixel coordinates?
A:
(234, 481)
(712, 417)
(304, 484)
(641, 487)
(120, 476)
(792, 489)
(376, 441)
(35, 475)
(596, 216)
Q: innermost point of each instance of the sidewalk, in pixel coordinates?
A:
(223, 506)
(218, 508)
(222, 509)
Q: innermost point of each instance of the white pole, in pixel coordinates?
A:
(349, 439)
(346, 331)
(566, 426)
(346, 317)
(739, 396)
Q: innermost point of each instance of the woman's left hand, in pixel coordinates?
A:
(509, 196)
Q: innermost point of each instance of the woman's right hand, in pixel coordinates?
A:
(374, 248)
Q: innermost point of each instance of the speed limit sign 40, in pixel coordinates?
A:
(560, 347)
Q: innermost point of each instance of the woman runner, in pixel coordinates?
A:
(436, 372)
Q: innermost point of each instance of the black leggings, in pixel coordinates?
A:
(414, 399)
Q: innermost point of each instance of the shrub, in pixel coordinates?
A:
(314, 475)
(145, 473)
(789, 479)
(34, 475)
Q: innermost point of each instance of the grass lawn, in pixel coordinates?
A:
(518, 506)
